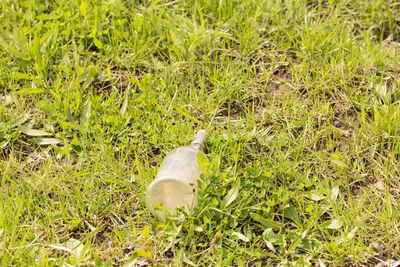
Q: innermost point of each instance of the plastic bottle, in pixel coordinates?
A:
(176, 182)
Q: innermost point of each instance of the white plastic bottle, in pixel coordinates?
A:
(176, 182)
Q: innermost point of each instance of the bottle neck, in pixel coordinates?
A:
(197, 146)
(199, 140)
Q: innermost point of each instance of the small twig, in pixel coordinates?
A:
(205, 251)
(163, 259)
(214, 243)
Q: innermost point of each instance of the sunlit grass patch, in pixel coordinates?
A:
(300, 100)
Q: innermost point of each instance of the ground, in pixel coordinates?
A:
(300, 100)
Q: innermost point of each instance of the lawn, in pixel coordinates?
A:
(300, 100)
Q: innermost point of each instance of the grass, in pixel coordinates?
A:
(300, 100)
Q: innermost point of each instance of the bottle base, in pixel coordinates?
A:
(170, 193)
